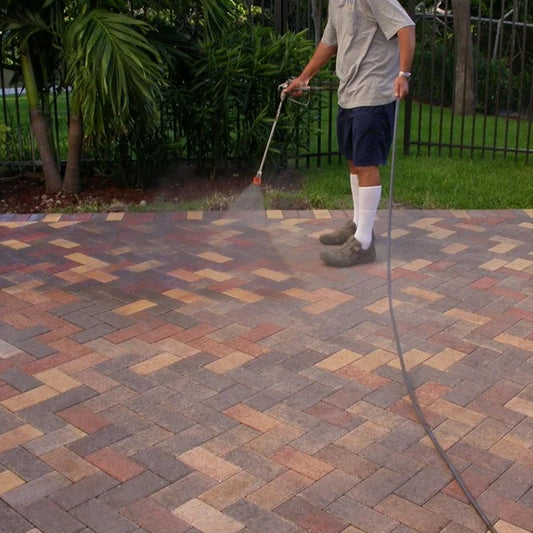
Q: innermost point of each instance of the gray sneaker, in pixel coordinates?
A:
(339, 236)
(349, 254)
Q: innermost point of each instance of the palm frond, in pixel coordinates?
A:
(21, 31)
(114, 71)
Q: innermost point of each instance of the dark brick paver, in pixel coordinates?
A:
(193, 372)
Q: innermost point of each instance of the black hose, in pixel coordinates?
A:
(406, 378)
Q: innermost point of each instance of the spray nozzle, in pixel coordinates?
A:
(284, 95)
(283, 86)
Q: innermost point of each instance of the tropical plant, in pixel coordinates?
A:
(106, 60)
(27, 30)
(115, 77)
(229, 98)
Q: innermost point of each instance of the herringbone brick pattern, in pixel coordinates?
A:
(197, 373)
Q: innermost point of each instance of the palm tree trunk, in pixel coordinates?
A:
(464, 95)
(52, 178)
(72, 182)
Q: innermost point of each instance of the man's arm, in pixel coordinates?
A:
(322, 55)
(406, 44)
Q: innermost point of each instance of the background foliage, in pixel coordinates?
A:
(221, 74)
(222, 63)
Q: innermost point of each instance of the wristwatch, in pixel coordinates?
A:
(405, 75)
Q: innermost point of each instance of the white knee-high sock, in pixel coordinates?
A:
(368, 205)
(354, 183)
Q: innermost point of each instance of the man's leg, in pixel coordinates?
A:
(368, 202)
(365, 136)
(360, 248)
(354, 185)
(341, 235)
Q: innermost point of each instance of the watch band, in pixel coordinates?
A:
(404, 74)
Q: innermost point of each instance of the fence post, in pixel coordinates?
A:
(408, 112)
(281, 15)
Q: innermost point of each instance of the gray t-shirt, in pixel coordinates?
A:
(364, 32)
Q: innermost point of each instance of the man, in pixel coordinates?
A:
(374, 41)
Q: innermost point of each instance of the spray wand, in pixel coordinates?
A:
(283, 97)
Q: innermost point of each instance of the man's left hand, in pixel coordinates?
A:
(401, 87)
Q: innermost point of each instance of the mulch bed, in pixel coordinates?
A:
(26, 193)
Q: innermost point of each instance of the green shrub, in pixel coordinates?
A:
(227, 99)
(136, 160)
(4, 134)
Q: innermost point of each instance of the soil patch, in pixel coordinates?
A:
(26, 193)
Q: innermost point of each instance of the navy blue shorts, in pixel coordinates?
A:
(365, 134)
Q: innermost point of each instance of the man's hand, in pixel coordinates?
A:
(401, 87)
(296, 87)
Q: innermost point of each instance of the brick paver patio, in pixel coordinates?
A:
(180, 373)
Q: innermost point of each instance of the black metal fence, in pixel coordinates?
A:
(471, 101)
(476, 99)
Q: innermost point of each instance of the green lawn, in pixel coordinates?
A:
(429, 178)
(17, 119)
(438, 125)
(432, 182)
(443, 178)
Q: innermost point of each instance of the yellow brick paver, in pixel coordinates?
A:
(228, 362)
(8, 481)
(251, 417)
(338, 360)
(16, 437)
(29, 398)
(322, 214)
(135, 307)
(445, 359)
(115, 217)
(457, 412)
(57, 380)
(454, 249)
(271, 274)
(517, 342)
(411, 358)
(382, 306)
(64, 243)
(423, 293)
(244, 295)
(373, 360)
(144, 266)
(467, 316)
(519, 264)
(15, 244)
(493, 264)
(209, 464)
(86, 260)
(362, 437)
(207, 519)
(215, 257)
(183, 296)
(274, 214)
(521, 406)
(154, 364)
